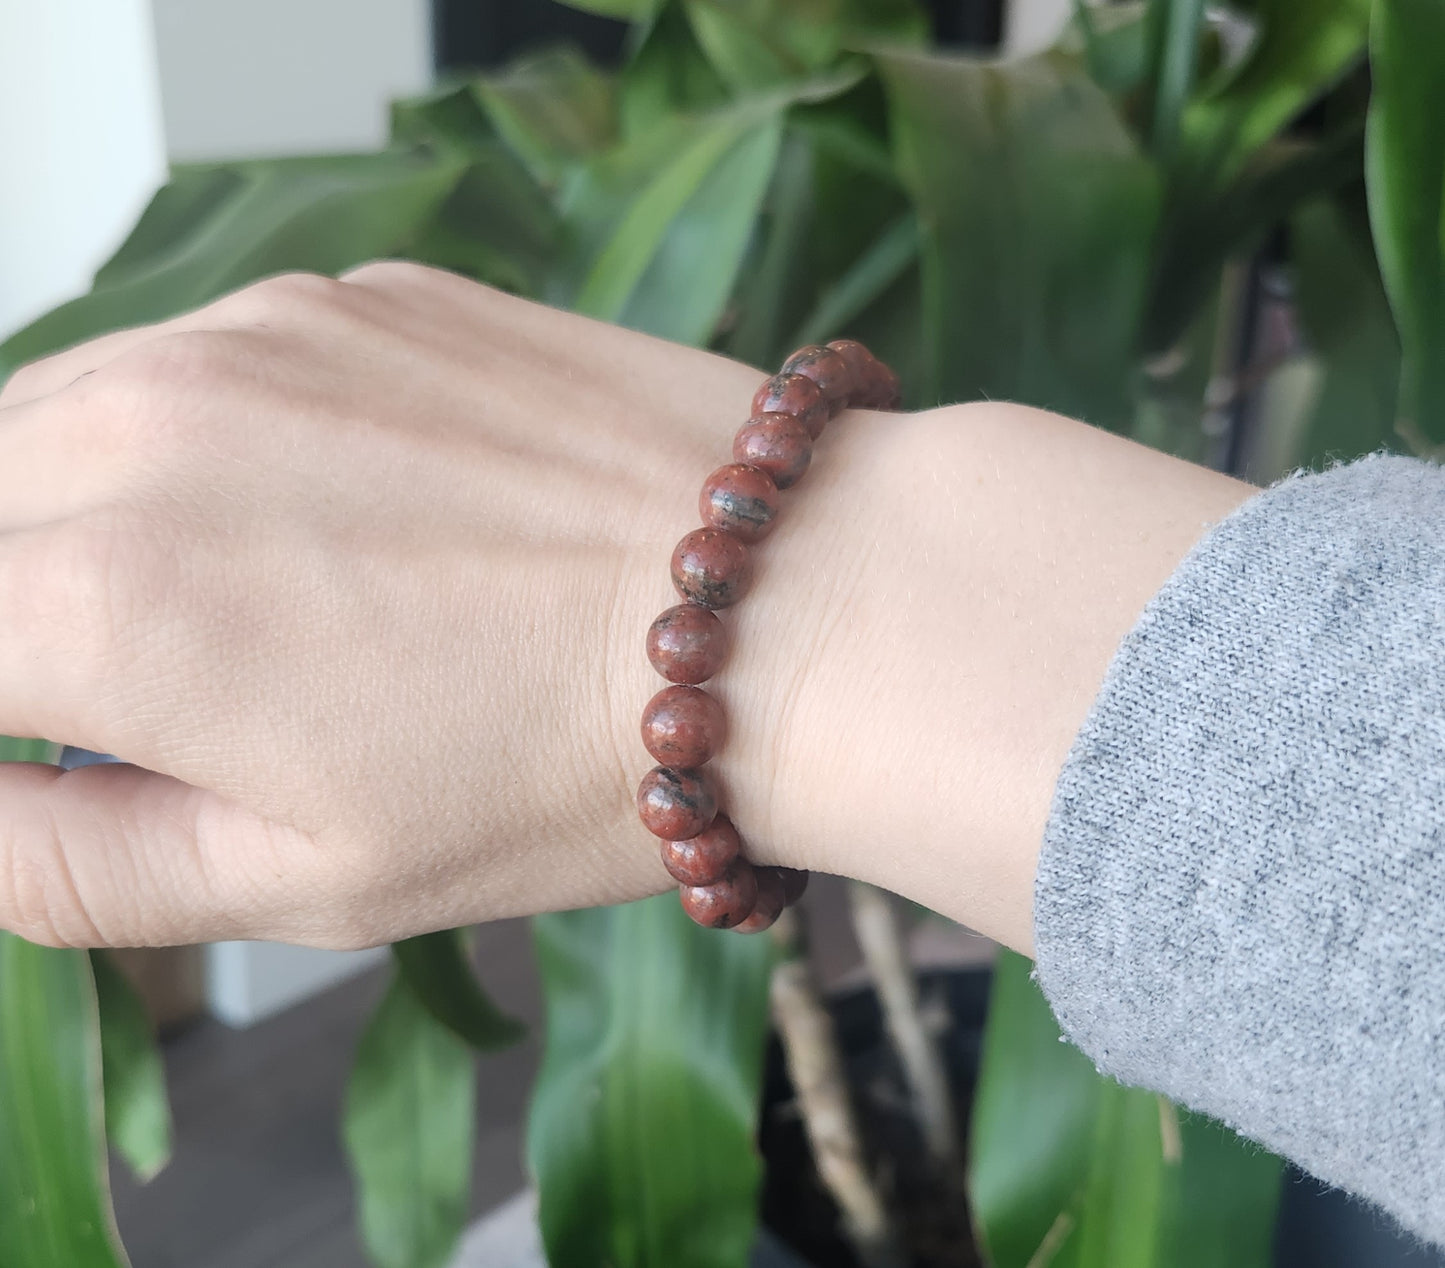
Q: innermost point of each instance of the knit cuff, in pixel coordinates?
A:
(1240, 899)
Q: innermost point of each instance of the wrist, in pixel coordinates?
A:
(927, 629)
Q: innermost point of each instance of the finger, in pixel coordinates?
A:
(53, 373)
(52, 466)
(117, 856)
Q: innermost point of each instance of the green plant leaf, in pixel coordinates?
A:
(1036, 211)
(13, 750)
(1299, 51)
(667, 74)
(630, 10)
(1069, 1169)
(553, 108)
(137, 1111)
(641, 1129)
(1346, 318)
(660, 227)
(438, 972)
(1171, 35)
(323, 214)
(1114, 41)
(879, 268)
(54, 1187)
(1405, 175)
(408, 1126)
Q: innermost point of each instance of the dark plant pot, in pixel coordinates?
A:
(1318, 1227)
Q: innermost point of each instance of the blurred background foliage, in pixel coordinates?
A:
(1219, 232)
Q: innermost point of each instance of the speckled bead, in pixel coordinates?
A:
(705, 858)
(860, 364)
(687, 643)
(725, 903)
(712, 568)
(741, 500)
(778, 444)
(828, 369)
(768, 905)
(795, 884)
(794, 394)
(683, 727)
(675, 804)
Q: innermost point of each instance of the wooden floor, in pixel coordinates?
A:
(258, 1179)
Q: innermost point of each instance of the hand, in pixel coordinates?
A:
(356, 575)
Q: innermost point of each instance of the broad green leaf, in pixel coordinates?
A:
(1405, 174)
(660, 227)
(1113, 40)
(890, 256)
(1171, 34)
(668, 73)
(408, 1126)
(323, 214)
(13, 750)
(760, 43)
(553, 109)
(1069, 1169)
(641, 1129)
(630, 10)
(137, 1111)
(1300, 50)
(1198, 239)
(54, 1187)
(438, 972)
(1036, 211)
(449, 119)
(1346, 319)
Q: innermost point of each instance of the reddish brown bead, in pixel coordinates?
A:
(675, 804)
(724, 903)
(740, 499)
(778, 444)
(795, 884)
(827, 369)
(683, 727)
(768, 905)
(860, 366)
(797, 395)
(705, 858)
(711, 567)
(687, 643)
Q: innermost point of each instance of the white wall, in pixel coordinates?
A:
(246, 77)
(81, 145)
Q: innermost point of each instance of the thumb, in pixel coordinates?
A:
(112, 855)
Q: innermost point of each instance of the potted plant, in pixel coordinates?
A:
(1083, 230)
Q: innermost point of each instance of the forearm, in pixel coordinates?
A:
(926, 632)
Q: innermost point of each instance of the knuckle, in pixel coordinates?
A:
(156, 397)
(27, 382)
(287, 292)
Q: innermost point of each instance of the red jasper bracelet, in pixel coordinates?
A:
(682, 726)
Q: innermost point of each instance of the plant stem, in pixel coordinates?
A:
(815, 1065)
(880, 935)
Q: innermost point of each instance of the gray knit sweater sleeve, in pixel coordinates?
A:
(1241, 896)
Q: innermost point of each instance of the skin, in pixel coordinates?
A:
(355, 575)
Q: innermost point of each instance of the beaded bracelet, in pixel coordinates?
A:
(682, 725)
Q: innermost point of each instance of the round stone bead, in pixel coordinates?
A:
(740, 499)
(827, 368)
(675, 804)
(711, 567)
(778, 444)
(769, 904)
(794, 394)
(725, 903)
(705, 858)
(682, 727)
(860, 366)
(795, 884)
(687, 643)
